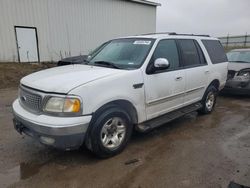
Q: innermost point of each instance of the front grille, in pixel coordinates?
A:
(231, 74)
(30, 99)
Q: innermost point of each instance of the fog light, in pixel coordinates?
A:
(47, 140)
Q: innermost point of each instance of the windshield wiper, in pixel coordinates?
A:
(106, 63)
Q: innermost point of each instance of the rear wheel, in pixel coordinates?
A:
(209, 100)
(110, 132)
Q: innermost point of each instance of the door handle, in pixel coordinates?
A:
(178, 78)
(207, 72)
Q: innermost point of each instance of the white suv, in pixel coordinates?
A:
(138, 82)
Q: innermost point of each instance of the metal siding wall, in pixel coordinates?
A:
(71, 27)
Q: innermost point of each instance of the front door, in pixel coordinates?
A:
(164, 89)
(27, 44)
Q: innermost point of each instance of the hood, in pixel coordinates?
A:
(65, 78)
(238, 66)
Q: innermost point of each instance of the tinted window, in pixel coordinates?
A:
(215, 50)
(201, 55)
(190, 54)
(167, 49)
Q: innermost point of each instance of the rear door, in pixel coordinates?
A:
(197, 70)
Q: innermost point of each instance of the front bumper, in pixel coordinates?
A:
(237, 86)
(61, 132)
(240, 91)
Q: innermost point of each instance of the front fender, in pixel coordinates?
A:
(118, 87)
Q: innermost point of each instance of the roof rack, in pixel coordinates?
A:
(189, 34)
(173, 33)
(169, 33)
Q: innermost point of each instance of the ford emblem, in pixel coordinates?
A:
(23, 98)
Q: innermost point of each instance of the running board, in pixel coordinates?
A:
(156, 122)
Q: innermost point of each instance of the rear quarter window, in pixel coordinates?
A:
(215, 51)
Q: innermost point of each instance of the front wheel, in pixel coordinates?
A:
(208, 100)
(110, 132)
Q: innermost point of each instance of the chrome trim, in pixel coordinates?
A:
(165, 98)
(34, 109)
(152, 102)
(45, 97)
(195, 89)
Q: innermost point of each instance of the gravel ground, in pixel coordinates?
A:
(192, 151)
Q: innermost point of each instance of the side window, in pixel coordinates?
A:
(201, 54)
(215, 51)
(167, 49)
(190, 55)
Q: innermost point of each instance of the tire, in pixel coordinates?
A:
(110, 132)
(209, 100)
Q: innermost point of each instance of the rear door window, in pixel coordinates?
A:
(215, 51)
(190, 54)
(201, 54)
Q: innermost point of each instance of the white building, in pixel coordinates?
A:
(48, 30)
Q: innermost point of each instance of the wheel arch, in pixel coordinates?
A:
(123, 104)
(215, 83)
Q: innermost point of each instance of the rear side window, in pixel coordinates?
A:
(202, 57)
(190, 54)
(215, 51)
(167, 49)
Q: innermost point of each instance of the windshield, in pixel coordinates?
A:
(239, 56)
(123, 53)
(96, 50)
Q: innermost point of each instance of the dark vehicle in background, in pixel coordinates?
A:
(72, 60)
(238, 81)
(81, 58)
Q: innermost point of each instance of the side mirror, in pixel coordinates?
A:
(161, 63)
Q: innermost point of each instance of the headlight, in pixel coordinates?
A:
(72, 105)
(245, 73)
(63, 105)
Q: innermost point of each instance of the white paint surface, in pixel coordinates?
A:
(27, 44)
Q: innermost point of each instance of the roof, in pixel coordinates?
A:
(146, 2)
